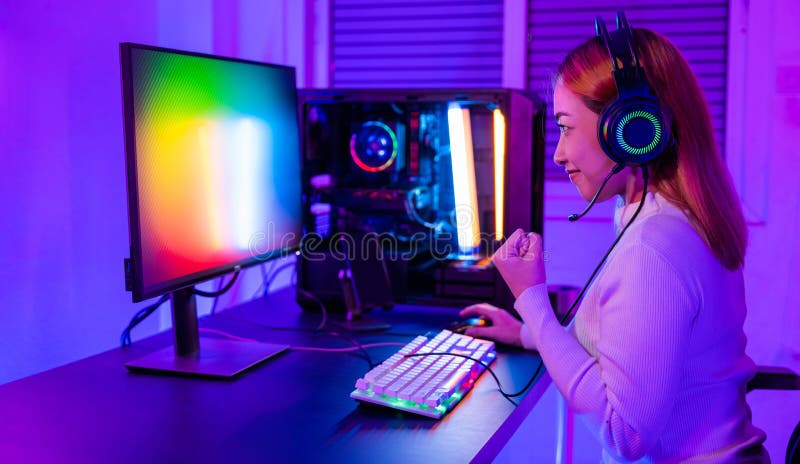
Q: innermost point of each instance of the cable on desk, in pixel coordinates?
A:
(316, 331)
(345, 350)
(324, 321)
(303, 348)
(489, 369)
(125, 337)
(269, 327)
(356, 344)
(227, 335)
(321, 307)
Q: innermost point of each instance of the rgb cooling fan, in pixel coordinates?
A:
(374, 146)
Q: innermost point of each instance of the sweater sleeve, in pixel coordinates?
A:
(646, 318)
(526, 336)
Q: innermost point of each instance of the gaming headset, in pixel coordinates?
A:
(632, 129)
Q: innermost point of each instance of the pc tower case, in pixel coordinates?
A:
(418, 177)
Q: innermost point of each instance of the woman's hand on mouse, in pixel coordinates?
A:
(520, 261)
(504, 327)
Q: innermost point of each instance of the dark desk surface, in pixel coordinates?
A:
(292, 408)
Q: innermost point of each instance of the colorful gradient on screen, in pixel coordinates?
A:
(217, 161)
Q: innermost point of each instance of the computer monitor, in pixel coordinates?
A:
(214, 185)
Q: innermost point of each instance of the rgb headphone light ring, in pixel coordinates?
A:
(627, 118)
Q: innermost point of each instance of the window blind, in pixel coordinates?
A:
(699, 29)
(416, 43)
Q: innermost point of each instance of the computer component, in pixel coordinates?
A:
(365, 285)
(374, 146)
(429, 171)
(214, 185)
(427, 385)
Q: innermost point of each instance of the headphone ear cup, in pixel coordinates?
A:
(633, 131)
(607, 117)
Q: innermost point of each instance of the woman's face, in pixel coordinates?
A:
(578, 149)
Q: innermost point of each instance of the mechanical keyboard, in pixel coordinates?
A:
(426, 385)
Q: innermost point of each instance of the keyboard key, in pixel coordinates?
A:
(426, 384)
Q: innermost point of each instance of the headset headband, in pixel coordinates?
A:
(632, 129)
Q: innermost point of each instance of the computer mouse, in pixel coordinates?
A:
(462, 325)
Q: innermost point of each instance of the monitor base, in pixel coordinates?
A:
(216, 358)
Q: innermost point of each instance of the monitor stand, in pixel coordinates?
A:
(215, 358)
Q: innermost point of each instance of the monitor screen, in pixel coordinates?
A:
(213, 161)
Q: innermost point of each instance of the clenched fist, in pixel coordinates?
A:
(520, 261)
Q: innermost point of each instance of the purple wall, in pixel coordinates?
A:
(64, 208)
(765, 168)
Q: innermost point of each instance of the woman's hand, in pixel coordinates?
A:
(520, 261)
(504, 327)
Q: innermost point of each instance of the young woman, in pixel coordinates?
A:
(655, 357)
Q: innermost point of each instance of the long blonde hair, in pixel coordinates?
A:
(691, 175)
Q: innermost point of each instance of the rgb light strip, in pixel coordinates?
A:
(464, 184)
(499, 132)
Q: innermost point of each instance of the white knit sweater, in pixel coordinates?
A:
(654, 360)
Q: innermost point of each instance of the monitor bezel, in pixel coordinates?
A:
(138, 290)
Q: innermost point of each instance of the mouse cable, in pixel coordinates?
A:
(646, 176)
